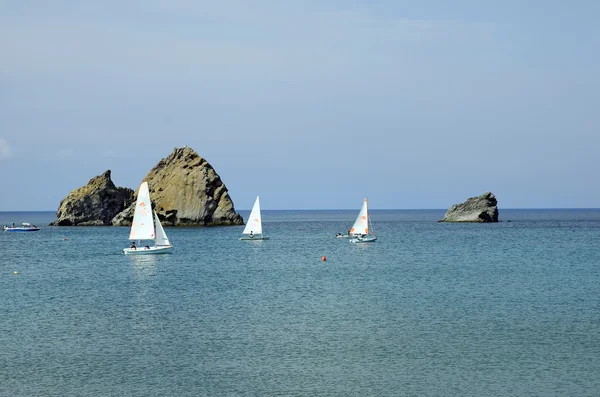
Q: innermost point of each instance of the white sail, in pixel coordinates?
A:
(254, 223)
(361, 225)
(142, 227)
(161, 236)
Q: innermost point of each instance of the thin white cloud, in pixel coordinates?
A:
(5, 149)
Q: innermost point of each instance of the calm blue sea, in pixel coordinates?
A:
(430, 309)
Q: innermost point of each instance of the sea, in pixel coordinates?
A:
(429, 309)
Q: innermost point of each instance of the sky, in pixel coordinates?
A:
(309, 104)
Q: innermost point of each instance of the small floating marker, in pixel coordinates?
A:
(64, 239)
(15, 273)
(323, 258)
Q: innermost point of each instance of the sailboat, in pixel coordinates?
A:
(360, 230)
(253, 229)
(146, 226)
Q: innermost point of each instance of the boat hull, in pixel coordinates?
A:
(343, 236)
(254, 238)
(147, 251)
(21, 229)
(368, 239)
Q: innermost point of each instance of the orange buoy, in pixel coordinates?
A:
(323, 258)
(65, 239)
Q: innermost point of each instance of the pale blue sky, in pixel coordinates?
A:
(311, 105)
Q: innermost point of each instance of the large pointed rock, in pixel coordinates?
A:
(476, 209)
(186, 191)
(93, 204)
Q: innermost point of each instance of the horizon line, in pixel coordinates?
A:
(372, 209)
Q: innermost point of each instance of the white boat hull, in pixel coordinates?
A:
(367, 239)
(343, 236)
(21, 229)
(147, 251)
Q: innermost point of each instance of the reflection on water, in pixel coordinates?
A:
(143, 266)
(362, 245)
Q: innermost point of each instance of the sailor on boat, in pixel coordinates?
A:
(251, 234)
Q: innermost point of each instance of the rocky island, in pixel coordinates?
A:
(476, 209)
(184, 188)
(94, 204)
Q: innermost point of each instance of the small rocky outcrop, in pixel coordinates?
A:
(476, 209)
(185, 190)
(94, 204)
